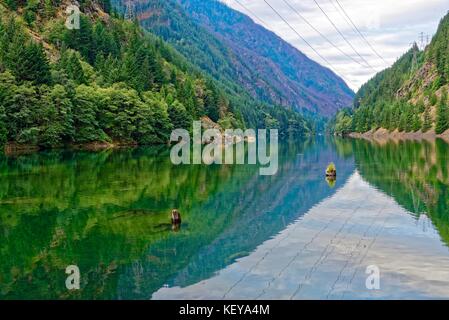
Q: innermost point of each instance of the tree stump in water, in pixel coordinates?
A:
(331, 171)
(175, 216)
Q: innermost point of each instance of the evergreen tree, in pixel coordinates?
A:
(427, 124)
(71, 64)
(156, 69)
(103, 41)
(442, 116)
(29, 62)
(403, 120)
(179, 116)
(12, 4)
(211, 102)
(30, 11)
(410, 117)
(81, 39)
(420, 106)
(417, 123)
(433, 99)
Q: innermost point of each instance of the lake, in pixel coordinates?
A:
(294, 235)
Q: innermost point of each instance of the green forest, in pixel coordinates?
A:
(108, 81)
(410, 96)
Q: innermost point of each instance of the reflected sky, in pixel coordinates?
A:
(324, 255)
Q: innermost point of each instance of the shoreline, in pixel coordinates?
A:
(21, 149)
(15, 149)
(383, 135)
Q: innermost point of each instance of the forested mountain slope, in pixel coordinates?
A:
(410, 96)
(107, 82)
(242, 54)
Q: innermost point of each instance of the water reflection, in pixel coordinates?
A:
(414, 173)
(110, 213)
(326, 255)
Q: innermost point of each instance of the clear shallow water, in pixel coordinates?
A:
(243, 235)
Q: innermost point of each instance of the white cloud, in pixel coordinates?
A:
(391, 26)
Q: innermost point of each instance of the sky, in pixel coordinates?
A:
(390, 27)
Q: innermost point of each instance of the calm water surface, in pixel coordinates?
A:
(243, 236)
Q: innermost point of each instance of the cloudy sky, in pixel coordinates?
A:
(389, 26)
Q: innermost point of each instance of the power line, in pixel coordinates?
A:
(321, 34)
(343, 36)
(341, 14)
(303, 39)
(358, 31)
(251, 12)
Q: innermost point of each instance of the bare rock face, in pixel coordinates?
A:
(421, 80)
(207, 123)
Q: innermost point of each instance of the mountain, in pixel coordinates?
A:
(410, 96)
(108, 82)
(243, 55)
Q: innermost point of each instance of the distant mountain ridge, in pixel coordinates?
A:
(242, 54)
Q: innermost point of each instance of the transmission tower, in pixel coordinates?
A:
(421, 41)
(129, 11)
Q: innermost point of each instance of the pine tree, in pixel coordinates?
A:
(103, 41)
(211, 102)
(30, 11)
(420, 106)
(156, 69)
(71, 64)
(427, 124)
(179, 116)
(442, 117)
(417, 123)
(12, 4)
(433, 99)
(29, 62)
(402, 119)
(409, 116)
(81, 39)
